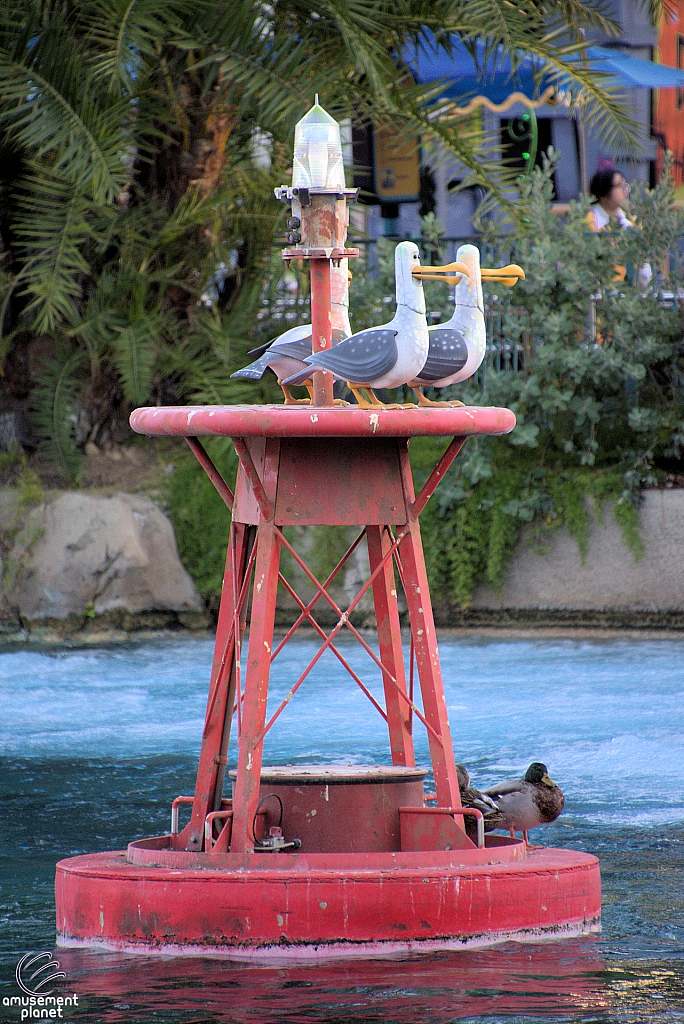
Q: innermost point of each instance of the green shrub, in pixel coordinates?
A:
(599, 418)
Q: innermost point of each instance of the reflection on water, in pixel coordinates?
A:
(556, 978)
(95, 744)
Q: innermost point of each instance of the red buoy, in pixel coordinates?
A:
(320, 861)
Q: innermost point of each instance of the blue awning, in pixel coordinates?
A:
(634, 72)
(469, 74)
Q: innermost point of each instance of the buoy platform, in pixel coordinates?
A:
(318, 861)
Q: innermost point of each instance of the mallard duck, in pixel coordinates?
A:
(525, 803)
(471, 797)
(386, 356)
(458, 346)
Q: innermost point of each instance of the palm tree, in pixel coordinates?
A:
(133, 180)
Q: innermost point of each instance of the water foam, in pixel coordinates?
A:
(605, 716)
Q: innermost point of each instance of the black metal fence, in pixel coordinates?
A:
(504, 354)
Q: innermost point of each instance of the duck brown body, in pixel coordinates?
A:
(528, 802)
(516, 804)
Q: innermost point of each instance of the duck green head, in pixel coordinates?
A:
(538, 773)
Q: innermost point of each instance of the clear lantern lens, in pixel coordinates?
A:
(318, 151)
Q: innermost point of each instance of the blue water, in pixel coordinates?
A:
(94, 745)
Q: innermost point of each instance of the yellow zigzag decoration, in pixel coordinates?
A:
(500, 108)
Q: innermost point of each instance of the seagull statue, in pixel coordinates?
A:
(457, 347)
(286, 354)
(386, 356)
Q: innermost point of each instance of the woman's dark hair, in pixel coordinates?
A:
(602, 182)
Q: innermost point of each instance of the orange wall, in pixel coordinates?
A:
(669, 104)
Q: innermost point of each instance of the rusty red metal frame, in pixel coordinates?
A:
(412, 667)
(417, 507)
(465, 811)
(317, 252)
(237, 632)
(252, 475)
(321, 328)
(344, 620)
(241, 600)
(209, 826)
(384, 552)
(321, 632)
(174, 811)
(205, 461)
(292, 630)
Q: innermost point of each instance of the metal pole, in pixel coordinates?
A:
(321, 327)
(582, 150)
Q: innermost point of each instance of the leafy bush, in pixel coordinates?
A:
(600, 409)
(599, 417)
(200, 518)
(140, 146)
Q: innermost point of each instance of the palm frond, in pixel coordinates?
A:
(50, 106)
(101, 316)
(55, 409)
(134, 351)
(54, 221)
(125, 35)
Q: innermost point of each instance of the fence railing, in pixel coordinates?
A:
(505, 353)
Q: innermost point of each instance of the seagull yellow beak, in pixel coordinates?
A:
(508, 276)
(445, 273)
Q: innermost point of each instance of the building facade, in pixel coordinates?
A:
(668, 120)
(660, 121)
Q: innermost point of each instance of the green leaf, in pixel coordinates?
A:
(54, 223)
(56, 403)
(134, 349)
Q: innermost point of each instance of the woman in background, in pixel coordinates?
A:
(611, 190)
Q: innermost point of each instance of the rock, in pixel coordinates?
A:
(84, 555)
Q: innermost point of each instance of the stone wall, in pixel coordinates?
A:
(609, 588)
(86, 567)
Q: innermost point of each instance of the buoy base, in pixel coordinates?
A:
(292, 907)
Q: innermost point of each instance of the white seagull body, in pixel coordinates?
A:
(458, 346)
(390, 355)
(286, 354)
(463, 360)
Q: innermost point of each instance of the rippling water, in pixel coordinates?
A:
(94, 745)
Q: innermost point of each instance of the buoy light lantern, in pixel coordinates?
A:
(318, 159)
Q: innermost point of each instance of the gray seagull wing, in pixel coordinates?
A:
(255, 370)
(296, 349)
(260, 349)
(448, 353)
(361, 359)
(337, 336)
